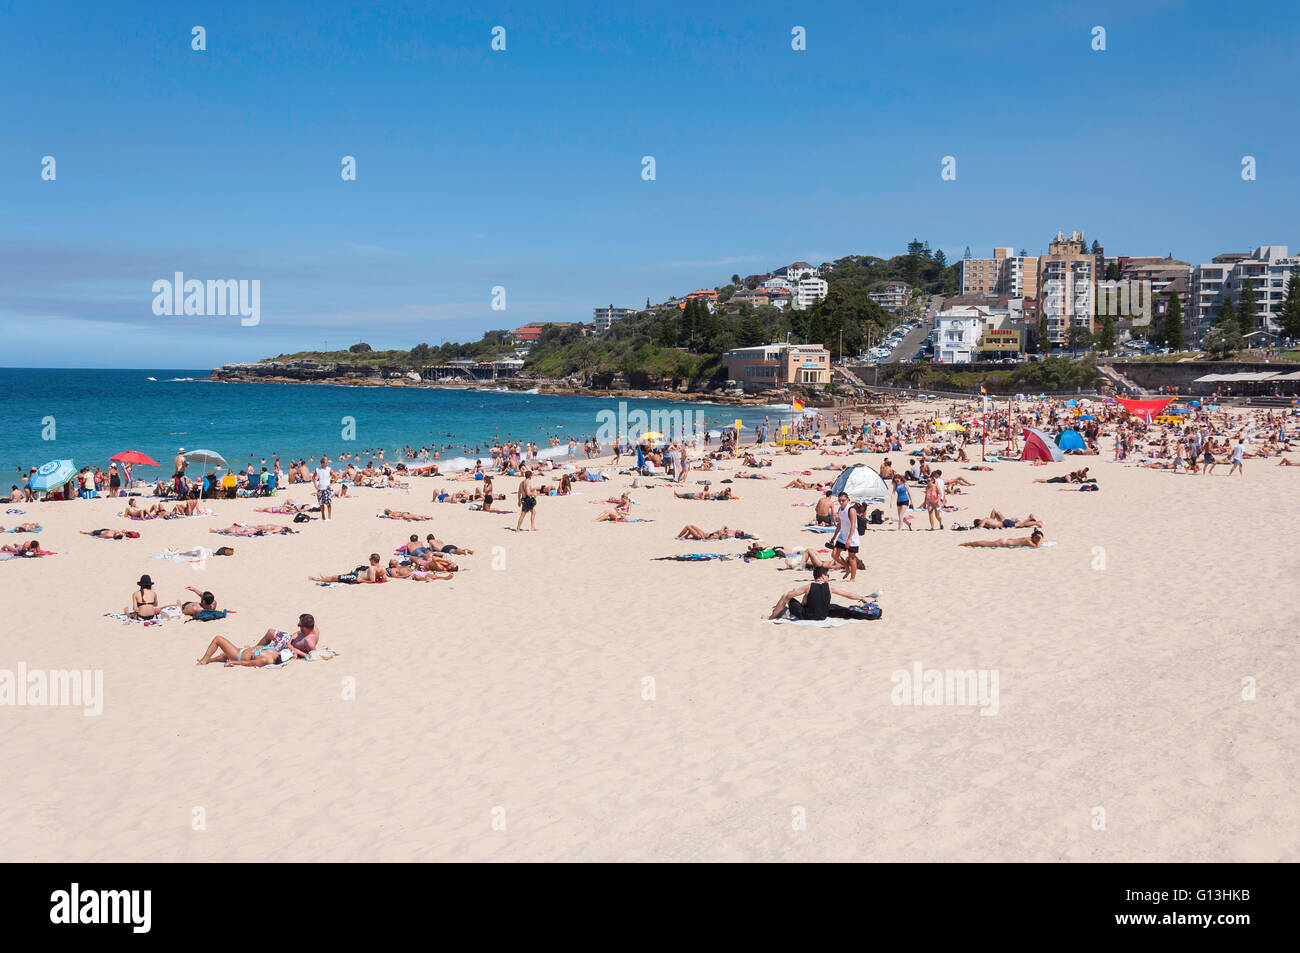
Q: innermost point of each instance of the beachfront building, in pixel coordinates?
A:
(982, 276)
(1161, 272)
(893, 297)
(1066, 279)
(808, 292)
(1005, 274)
(530, 333)
(776, 284)
(775, 365)
(1000, 343)
(956, 335)
(1267, 269)
(607, 316)
(707, 295)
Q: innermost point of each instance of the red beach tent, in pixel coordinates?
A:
(1146, 409)
(1039, 446)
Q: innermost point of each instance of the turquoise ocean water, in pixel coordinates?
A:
(93, 414)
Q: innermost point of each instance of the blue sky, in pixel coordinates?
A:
(522, 168)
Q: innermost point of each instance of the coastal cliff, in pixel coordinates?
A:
(384, 375)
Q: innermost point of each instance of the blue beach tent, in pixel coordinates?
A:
(1070, 440)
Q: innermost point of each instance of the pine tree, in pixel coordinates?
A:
(1228, 314)
(1173, 326)
(1246, 307)
(1044, 344)
(1290, 314)
(1107, 339)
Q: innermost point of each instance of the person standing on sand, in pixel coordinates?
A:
(527, 503)
(179, 465)
(1238, 455)
(323, 495)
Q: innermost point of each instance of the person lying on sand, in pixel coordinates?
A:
(691, 531)
(362, 574)
(287, 508)
(433, 562)
(206, 601)
(22, 549)
(111, 533)
(26, 528)
(439, 546)
(800, 484)
(397, 571)
(1284, 462)
(740, 475)
(403, 515)
(996, 520)
(1032, 540)
(273, 647)
(705, 494)
(620, 514)
(261, 529)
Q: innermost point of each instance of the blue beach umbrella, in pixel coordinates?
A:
(52, 475)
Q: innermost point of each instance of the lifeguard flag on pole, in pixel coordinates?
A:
(796, 405)
(982, 390)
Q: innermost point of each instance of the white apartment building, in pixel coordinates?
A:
(1268, 269)
(607, 316)
(799, 269)
(776, 284)
(956, 335)
(808, 292)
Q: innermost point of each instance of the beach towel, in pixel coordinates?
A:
(819, 623)
(697, 557)
(36, 530)
(156, 620)
(28, 554)
(815, 528)
(14, 511)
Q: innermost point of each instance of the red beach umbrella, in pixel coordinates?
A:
(134, 457)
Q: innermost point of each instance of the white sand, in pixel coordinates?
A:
(522, 687)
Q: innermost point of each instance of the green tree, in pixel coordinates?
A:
(1173, 324)
(1228, 314)
(1106, 341)
(1290, 313)
(1223, 339)
(1246, 307)
(421, 353)
(1044, 342)
(1079, 338)
(362, 348)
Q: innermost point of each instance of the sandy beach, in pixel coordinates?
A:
(568, 696)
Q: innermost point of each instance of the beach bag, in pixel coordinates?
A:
(301, 518)
(877, 516)
(867, 610)
(208, 615)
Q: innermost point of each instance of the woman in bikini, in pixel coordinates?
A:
(144, 601)
(1033, 540)
(397, 571)
(273, 648)
(32, 548)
